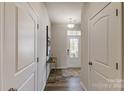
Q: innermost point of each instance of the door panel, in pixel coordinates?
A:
(99, 40)
(28, 84)
(99, 81)
(26, 39)
(105, 49)
(20, 48)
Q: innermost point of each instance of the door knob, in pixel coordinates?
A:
(90, 63)
(68, 51)
(12, 89)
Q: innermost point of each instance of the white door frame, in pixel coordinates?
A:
(79, 51)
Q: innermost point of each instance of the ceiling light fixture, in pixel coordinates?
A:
(70, 24)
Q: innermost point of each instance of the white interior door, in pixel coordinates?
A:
(20, 66)
(105, 49)
(73, 51)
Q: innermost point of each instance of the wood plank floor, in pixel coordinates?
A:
(64, 80)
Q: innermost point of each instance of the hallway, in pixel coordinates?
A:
(64, 80)
(43, 45)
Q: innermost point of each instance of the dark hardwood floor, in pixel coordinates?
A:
(64, 80)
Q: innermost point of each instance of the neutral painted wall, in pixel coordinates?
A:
(84, 48)
(59, 44)
(43, 21)
(88, 11)
(1, 42)
(59, 39)
(123, 46)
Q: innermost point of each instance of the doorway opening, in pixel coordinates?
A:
(73, 49)
(68, 79)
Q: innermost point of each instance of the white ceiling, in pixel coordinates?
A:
(60, 12)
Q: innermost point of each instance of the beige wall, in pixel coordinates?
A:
(1, 42)
(123, 46)
(84, 48)
(59, 40)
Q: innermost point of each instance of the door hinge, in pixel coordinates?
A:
(116, 66)
(90, 63)
(37, 59)
(116, 12)
(12, 89)
(37, 26)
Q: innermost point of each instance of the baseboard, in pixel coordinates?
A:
(59, 68)
(83, 86)
(46, 82)
(66, 67)
(43, 88)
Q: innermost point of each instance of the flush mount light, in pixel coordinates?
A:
(70, 25)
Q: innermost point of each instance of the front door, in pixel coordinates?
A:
(73, 49)
(20, 66)
(105, 49)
